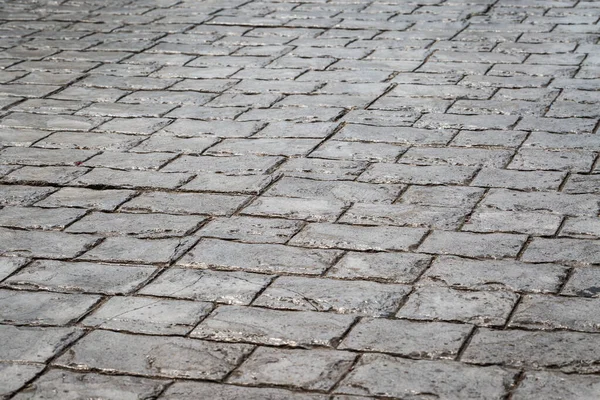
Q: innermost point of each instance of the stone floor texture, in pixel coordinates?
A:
(299, 199)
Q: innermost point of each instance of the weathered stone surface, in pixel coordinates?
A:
(314, 294)
(8, 265)
(378, 375)
(528, 222)
(492, 245)
(106, 200)
(43, 244)
(14, 376)
(563, 250)
(314, 210)
(121, 249)
(271, 327)
(555, 386)
(34, 344)
(583, 283)
(410, 339)
(185, 203)
(251, 229)
(74, 386)
(204, 390)
(305, 369)
(154, 356)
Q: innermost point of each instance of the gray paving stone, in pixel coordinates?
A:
(264, 258)
(419, 175)
(379, 238)
(559, 203)
(486, 308)
(270, 327)
(74, 386)
(553, 386)
(322, 169)
(313, 210)
(430, 340)
(467, 122)
(154, 356)
(304, 369)
(14, 376)
(344, 297)
(441, 196)
(377, 375)
(510, 275)
(130, 161)
(375, 152)
(563, 250)
(528, 222)
(106, 200)
(148, 315)
(40, 157)
(223, 287)
(34, 344)
(557, 125)
(491, 245)
(21, 195)
(534, 159)
(251, 229)
(181, 390)
(582, 283)
(184, 203)
(395, 135)
(44, 175)
(565, 351)
(553, 312)
(38, 218)
(581, 227)
(264, 146)
(129, 249)
(456, 156)
(520, 180)
(56, 245)
(81, 277)
(384, 267)
(582, 184)
(242, 165)
(42, 308)
(105, 177)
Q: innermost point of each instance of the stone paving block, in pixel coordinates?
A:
(242, 165)
(34, 344)
(528, 222)
(21, 195)
(412, 215)
(38, 218)
(384, 267)
(56, 245)
(553, 386)
(138, 225)
(313, 210)
(419, 175)
(297, 130)
(488, 308)
(565, 351)
(168, 357)
(129, 249)
(582, 283)
(395, 135)
(130, 161)
(148, 315)
(21, 137)
(105, 177)
(186, 128)
(8, 265)
(251, 229)
(51, 122)
(264, 258)
(456, 156)
(582, 184)
(303, 369)
(467, 122)
(73, 386)
(344, 297)
(238, 288)
(429, 340)
(491, 245)
(89, 141)
(378, 375)
(559, 203)
(462, 273)
(44, 175)
(545, 140)
(364, 238)
(554, 312)
(534, 159)
(557, 125)
(264, 146)
(375, 152)
(563, 250)
(14, 376)
(43, 308)
(195, 145)
(106, 200)
(520, 180)
(81, 277)
(207, 390)
(332, 170)
(293, 114)
(581, 227)
(271, 327)
(41, 157)
(184, 203)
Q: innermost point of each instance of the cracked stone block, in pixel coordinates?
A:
(239, 165)
(555, 386)
(559, 203)
(29, 344)
(578, 251)
(487, 308)
(45, 175)
(456, 156)
(360, 151)
(205, 390)
(418, 175)
(394, 135)
(382, 375)
(251, 229)
(246, 184)
(583, 283)
(326, 170)
(19, 195)
(520, 180)
(581, 227)
(384, 267)
(169, 357)
(583, 183)
(43, 244)
(81, 277)
(303, 369)
(74, 386)
(38, 218)
(14, 376)
(185, 203)
(106, 200)
(148, 315)
(428, 340)
(131, 161)
(344, 297)
(528, 222)
(203, 285)
(462, 273)
(378, 238)
(442, 196)
(549, 312)
(264, 258)
(126, 249)
(561, 350)
(314, 210)
(272, 327)
(490, 245)
(43, 308)
(43, 157)
(105, 177)
(538, 159)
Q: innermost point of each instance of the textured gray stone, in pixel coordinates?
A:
(230, 392)
(34, 344)
(14, 376)
(583, 283)
(43, 244)
(491, 245)
(314, 210)
(107, 200)
(385, 267)
(251, 229)
(555, 386)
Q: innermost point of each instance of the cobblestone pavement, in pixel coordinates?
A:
(299, 199)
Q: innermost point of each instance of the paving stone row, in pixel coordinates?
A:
(299, 199)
